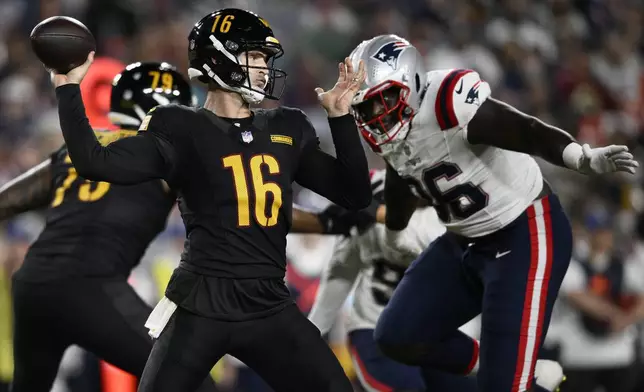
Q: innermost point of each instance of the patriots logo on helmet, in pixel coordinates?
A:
(389, 53)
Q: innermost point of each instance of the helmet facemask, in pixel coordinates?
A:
(384, 113)
(274, 78)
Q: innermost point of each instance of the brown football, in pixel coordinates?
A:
(62, 43)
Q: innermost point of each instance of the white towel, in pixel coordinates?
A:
(159, 317)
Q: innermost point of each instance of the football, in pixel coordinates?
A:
(62, 43)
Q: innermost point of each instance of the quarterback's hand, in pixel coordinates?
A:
(75, 76)
(337, 101)
(606, 160)
(398, 246)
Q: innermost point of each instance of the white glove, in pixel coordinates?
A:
(599, 160)
(400, 247)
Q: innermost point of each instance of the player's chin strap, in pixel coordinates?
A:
(248, 94)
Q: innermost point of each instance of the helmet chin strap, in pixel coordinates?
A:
(248, 94)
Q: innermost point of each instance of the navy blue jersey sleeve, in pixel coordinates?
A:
(126, 161)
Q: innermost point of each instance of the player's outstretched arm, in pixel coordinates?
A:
(306, 222)
(29, 191)
(341, 221)
(499, 124)
(126, 161)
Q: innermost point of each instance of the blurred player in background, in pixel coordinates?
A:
(361, 261)
(72, 288)
(447, 141)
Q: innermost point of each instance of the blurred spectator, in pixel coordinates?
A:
(617, 67)
(603, 297)
(516, 25)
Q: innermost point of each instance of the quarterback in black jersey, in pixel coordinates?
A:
(233, 168)
(72, 287)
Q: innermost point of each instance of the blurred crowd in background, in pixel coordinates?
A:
(575, 64)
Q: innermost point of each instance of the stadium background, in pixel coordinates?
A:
(573, 63)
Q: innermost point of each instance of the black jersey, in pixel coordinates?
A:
(234, 181)
(95, 228)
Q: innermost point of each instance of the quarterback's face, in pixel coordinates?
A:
(256, 62)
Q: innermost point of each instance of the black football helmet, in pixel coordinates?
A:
(142, 86)
(217, 40)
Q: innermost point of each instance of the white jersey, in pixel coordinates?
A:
(359, 262)
(477, 189)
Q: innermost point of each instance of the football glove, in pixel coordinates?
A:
(599, 160)
(337, 220)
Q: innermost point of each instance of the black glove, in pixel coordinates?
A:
(337, 220)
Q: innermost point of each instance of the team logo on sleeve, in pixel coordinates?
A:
(389, 53)
(145, 123)
(473, 95)
(282, 139)
(146, 120)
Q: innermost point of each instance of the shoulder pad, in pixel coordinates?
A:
(291, 112)
(458, 95)
(168, 111)
(299, 120)
(281, 112)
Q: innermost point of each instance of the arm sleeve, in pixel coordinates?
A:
(132, 160)
(399, 201)
(345, 179)
(336, 283)
(501, 125)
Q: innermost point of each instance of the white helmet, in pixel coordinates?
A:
(392, 92)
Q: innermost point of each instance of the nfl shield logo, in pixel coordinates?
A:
(247, 136)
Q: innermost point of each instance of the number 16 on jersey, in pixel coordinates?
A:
(260, 188)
